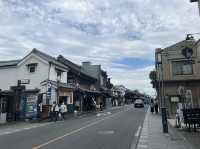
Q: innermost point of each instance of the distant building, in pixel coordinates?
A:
(103, 82)
(178, 75)
(118, 92)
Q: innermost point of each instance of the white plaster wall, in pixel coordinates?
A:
(64, 77)
(53, 75)
(8, 78)
(38, 76)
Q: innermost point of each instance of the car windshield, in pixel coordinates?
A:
(139, 101)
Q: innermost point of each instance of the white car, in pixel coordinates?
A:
(139, 103)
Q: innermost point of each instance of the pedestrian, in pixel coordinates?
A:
(152, 106)
(179, 115)
(40, 111)
(156, 106)
(101, 106)
(63, 110)
(52, 112)
(56, 112)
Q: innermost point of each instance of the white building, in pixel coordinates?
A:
(36, 71)
(37, 67)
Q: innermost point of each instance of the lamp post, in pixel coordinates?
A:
(161, 91)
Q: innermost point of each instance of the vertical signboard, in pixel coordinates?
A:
(31, 105)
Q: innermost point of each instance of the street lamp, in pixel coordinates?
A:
(161, 90)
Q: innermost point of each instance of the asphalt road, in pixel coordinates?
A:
(112, 129)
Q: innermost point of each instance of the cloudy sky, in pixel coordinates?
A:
(119, 34)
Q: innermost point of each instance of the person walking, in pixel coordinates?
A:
(63, 110)
(52, 111)
(179, 115)
(152, 106)
(156, 106)
(56, 112)
(40, 111)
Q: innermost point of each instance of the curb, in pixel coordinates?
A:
(142, 128)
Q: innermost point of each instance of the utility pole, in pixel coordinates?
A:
(160, 64)
(163, 104)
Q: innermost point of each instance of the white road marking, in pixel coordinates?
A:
(142, 146)
(106, 132)
(138, 131)
(75, 131)
(108, 113)
(11, 131)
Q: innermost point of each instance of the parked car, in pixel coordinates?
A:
(138, 103)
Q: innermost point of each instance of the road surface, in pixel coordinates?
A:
(116, 128)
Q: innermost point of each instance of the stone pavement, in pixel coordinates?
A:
(152, 137)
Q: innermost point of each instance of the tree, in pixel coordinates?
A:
(152, 75)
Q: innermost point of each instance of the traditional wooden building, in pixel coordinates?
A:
(85, 94)
(178, 75)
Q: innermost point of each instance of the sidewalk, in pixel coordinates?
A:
(152, 136)
(192, 137)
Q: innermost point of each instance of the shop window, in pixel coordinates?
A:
(182, 68)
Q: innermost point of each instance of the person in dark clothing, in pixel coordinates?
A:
(152, 106)
(101, 106)
(156, 107)
(56, 112)
(52, 111)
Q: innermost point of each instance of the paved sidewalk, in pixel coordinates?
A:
(191, 136)
(152, 136)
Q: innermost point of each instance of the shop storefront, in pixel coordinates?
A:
(66, 95)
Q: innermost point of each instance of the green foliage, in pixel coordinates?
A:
(152, 75)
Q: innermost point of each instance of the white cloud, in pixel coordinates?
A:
(101, 31)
